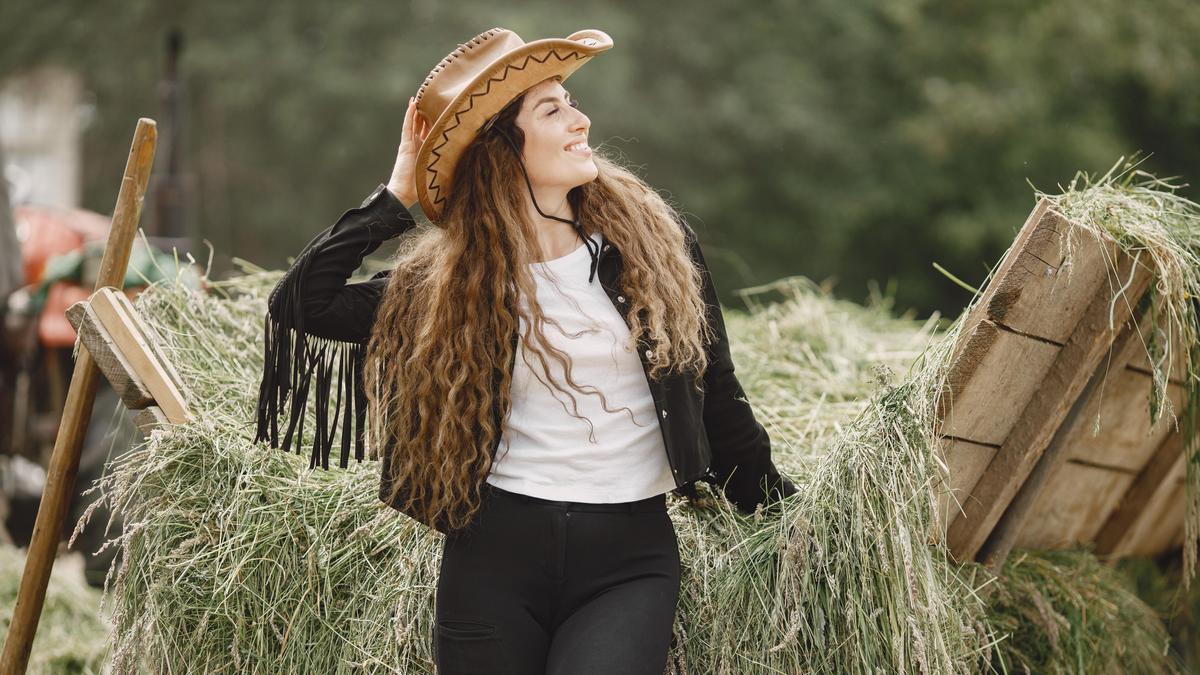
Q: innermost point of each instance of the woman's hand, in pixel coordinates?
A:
(403, 182)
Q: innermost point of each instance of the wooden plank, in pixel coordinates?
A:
(1125, 438)
(985, 394)
(1156, 479)
(152, 340)
(108, 358)
(133, 345)
(1073, 506)
(966, 461)
(1141, 362)
(1160, 529)
(1040, 417)
(1053, 279)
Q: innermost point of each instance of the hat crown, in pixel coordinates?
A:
(460, 68)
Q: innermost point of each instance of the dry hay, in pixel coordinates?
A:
(239, 559)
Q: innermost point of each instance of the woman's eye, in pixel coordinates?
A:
(574, 104)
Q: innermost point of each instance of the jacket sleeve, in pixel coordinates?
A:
(316, 329)
(741, 448)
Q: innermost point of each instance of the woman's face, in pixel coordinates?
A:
(552, 124)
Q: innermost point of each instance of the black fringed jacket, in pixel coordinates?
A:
(315, 343)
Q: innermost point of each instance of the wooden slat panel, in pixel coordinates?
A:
(1008, 528)
(1074, 504)
(1039, 419)
(137, 352)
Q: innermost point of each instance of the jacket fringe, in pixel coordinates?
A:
(292, 359)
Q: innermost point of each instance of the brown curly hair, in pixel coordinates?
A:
(440, 348)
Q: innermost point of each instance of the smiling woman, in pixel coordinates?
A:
(559, 553)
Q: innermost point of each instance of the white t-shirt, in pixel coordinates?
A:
(547, 453)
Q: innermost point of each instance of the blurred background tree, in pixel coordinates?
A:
(861, 141)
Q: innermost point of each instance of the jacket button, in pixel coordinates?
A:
(647, 353)
(664, 414)
(620, 298)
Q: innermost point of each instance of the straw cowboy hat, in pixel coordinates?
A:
(473, 83)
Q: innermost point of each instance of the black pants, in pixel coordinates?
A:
(538, 586)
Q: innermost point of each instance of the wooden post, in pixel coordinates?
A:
(64, 464)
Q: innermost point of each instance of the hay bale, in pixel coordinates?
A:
(239, 558)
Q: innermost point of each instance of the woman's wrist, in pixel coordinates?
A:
(408, 200)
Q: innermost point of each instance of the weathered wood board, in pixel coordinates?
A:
(1045, 406)
(129, 356)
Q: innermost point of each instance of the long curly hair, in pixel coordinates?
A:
(438, 359)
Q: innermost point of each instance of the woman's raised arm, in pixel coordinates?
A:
(314, 294)
(317, 325)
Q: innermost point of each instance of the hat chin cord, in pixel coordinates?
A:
(587, 241)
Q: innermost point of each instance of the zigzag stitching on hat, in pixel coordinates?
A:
(471, 103)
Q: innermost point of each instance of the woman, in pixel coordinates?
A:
(559, 554)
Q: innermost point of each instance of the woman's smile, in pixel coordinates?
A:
(580, 148)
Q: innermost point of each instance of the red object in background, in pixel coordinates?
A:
(47, 231)
(54, 331)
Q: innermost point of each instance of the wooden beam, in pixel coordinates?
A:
(1156, 477)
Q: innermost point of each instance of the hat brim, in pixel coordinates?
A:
(484, 96)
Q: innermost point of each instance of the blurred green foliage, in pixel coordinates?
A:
(858, 140)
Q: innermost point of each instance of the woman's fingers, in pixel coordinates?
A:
(408, 120)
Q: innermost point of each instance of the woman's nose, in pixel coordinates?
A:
(582, 123)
